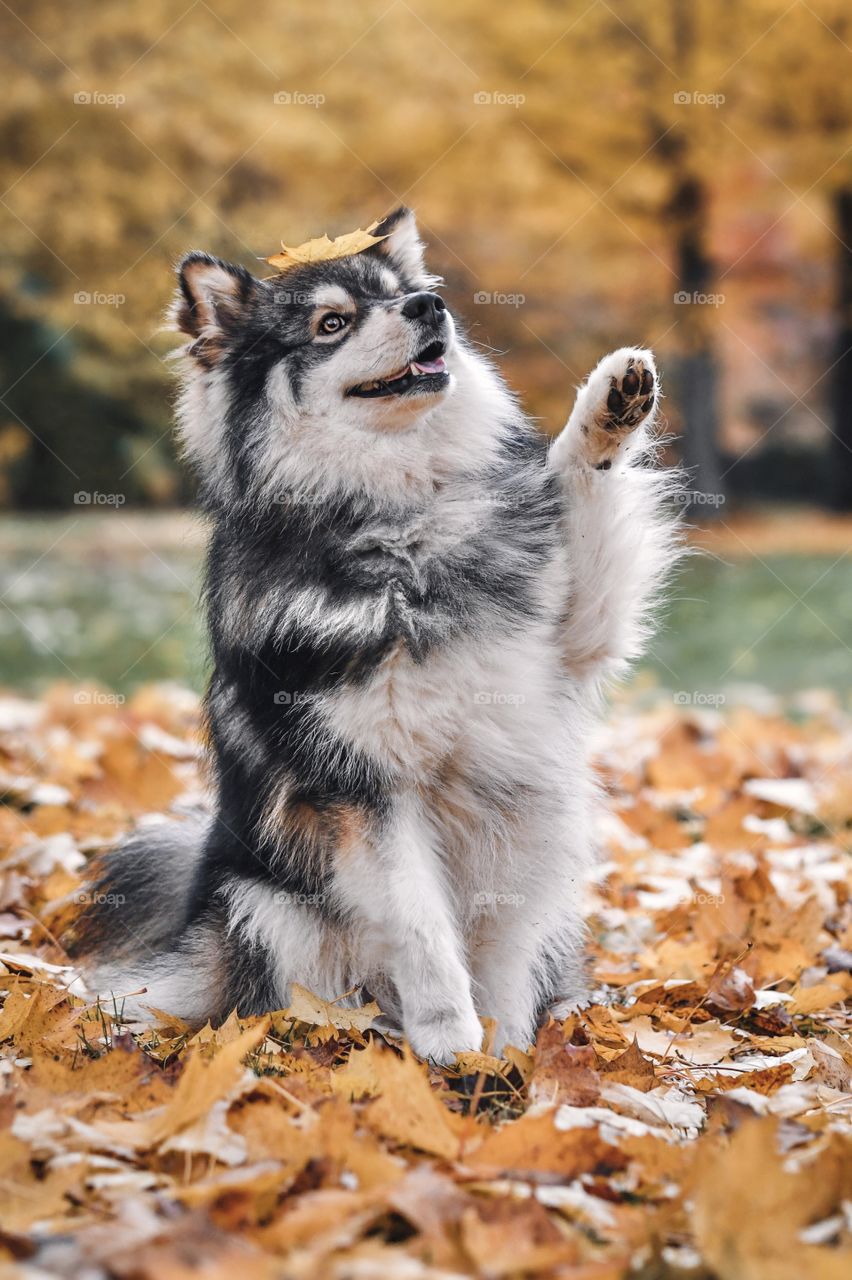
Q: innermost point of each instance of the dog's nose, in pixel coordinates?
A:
(425, 306)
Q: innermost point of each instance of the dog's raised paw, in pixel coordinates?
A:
(621, 394)
(631, 397)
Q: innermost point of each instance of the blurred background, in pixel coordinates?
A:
(676, 173)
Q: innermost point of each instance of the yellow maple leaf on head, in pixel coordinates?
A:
(324, 250)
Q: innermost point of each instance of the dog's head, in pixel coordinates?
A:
(364, 336)
(333, 373)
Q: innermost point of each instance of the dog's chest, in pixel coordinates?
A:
(389, 554)
(461, 591)
(448, 561)
(402, 545)
(411, 713)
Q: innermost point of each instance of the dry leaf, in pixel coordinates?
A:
(764, 1242)
(202, 1084)
(295, 1145)
(563, 1072)
(533, 1144)
(403, 1105)
(324, 250)
(306, 1007)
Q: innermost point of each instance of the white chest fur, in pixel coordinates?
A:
(412, 714)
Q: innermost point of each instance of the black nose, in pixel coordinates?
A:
(425, 306)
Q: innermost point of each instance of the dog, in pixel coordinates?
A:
(413, 604)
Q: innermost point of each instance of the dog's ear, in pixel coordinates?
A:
(211, 302)
(404, 248)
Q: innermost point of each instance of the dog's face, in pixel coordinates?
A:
(361, 342)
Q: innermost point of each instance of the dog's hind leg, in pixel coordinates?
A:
(133, 940)
(622, 539)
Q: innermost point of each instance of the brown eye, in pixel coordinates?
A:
(333, 323)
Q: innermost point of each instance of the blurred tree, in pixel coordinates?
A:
(78, 451)
(841, 444)
(797, 106)
(563, 156)
(640, 103)
(687, 214)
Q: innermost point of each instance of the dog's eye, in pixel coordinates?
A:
(333, 323)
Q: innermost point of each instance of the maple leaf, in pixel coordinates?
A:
(310, 1009)
(563, 1072)
(323, 249)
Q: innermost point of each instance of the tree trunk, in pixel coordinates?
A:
(840, 446)
(696, 371)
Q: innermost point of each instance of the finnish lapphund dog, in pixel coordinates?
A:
(413, 599)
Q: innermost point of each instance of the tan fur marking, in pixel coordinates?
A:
(317, 835)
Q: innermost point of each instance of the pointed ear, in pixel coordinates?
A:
(404, 248)
(211, 303)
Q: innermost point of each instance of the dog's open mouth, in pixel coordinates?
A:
(427, 372)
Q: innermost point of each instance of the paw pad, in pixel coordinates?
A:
(630, 398)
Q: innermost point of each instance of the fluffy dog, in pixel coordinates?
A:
(412, 603)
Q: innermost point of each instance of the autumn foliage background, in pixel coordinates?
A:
(581, 164)
(676, 173)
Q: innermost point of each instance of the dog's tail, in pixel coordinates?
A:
(131, 931)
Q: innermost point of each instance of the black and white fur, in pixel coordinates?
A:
(412, 603)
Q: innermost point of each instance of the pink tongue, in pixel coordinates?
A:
(430, 366)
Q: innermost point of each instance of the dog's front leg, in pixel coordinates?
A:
(529, 954)
(508, 976)
(621, 543)
(396, 891)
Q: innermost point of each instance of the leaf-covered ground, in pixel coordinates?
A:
(694, 1121)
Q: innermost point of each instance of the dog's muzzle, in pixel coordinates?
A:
(427, 372)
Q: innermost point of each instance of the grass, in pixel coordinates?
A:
(113, 597)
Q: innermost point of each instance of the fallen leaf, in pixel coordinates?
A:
(202, 1084)
(563, 1072)
(306, 1007)
(534, 1144)
(764, 1242)
(402, 1106)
